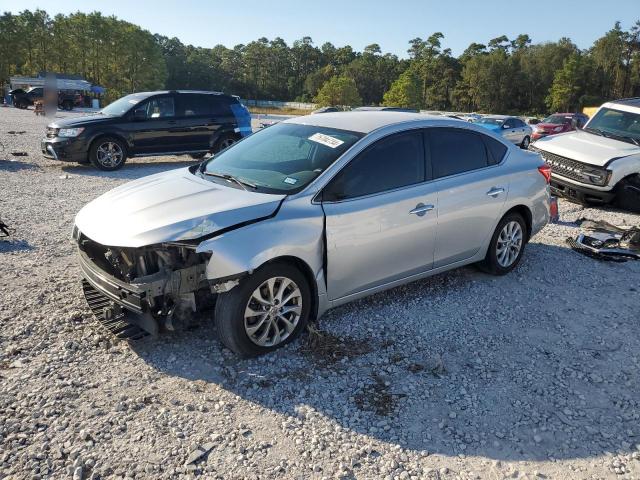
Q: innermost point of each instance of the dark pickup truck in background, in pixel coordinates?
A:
(25, 98)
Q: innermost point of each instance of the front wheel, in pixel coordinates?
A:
(525, 143)
(108, 154)
(628, 194)
(507, 245)
(225, 141)
(266, 311)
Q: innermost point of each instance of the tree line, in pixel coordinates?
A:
(504, 75)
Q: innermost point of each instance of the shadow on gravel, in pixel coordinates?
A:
(541, 363)
(17, 165)
(130, 170)
(8, 245)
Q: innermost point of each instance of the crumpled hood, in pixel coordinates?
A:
(82, 120)
(586, 147)
(169, 206)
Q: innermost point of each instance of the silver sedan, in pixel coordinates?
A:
(306, 215)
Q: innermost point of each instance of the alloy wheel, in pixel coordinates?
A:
(109, 154)
(227, 142)
(509, 244)
(273, 311)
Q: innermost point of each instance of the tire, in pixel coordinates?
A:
(493, 262)
(198, 156)
(525, 143)
(225, 141)
(21, 105)
(108, 154)
(628, 194)
(241, 333)
(67, 105)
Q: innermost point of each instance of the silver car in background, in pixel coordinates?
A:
(512, 129)
(306, 215)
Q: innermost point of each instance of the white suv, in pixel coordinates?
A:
(599, 163)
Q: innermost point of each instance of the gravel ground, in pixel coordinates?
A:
(460, 376)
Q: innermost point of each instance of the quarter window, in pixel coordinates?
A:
(393, 162)
(456, 151)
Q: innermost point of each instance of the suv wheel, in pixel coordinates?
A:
(266, 311)
(628, 193)
(225, 141)
(525, 143)
(507, 245)
(108, 154)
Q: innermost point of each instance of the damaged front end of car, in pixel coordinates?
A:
(139, 291)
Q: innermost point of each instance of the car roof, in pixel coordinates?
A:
(367, 121)
(498, 117)
(165, 92)
(632, 102)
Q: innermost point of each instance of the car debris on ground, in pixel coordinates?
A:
(605, 241)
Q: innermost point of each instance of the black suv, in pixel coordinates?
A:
(149, 123)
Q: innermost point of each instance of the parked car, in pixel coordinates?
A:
(559, 123)
(384, 109)
(326, 110)
(510, 128)
(25, 98)
(149, 123)
(599, 163)
(470, 117)
(306, 215)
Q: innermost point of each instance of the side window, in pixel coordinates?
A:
(220, 105)
(495, 149)
(190, 105)
(160, 107)
(392, 162)
(456, 151)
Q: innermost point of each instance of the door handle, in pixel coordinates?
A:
(421, 209)
(495, 191)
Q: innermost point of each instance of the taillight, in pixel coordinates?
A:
(545, 171)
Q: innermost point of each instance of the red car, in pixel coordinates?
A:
(558, 123)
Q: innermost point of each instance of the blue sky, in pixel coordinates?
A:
(357, 22)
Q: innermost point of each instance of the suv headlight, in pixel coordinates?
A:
(70, 132)
(596, 176)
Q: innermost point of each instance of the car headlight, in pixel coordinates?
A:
(596, 177)
(70, 132)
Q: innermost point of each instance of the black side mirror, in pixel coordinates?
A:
(574, 123)
(139, 114)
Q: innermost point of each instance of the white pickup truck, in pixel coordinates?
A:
(599, 163)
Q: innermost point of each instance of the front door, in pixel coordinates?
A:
(381, 216)
(153, 127)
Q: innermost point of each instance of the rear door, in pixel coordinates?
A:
(472, 189)
(195, 126)
(510, 131)
(153, 131)
(381, 216)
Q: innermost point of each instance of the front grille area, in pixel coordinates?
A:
(52, 132)
(569, 168)
(110, 315)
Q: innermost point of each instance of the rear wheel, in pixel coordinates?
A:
(108, 154)
(507, 245)
(225, 141)
(628, 193)
(266, 311)
(525, 143)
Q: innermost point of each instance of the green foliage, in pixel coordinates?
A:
(502, 76)
(338, 91)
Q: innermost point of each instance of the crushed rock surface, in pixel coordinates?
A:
(460, 376)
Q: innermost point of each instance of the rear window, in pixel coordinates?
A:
(193, 105)
(456, 151)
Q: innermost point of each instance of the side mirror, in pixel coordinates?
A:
(505, 126)
(574, 123)
(139, 114)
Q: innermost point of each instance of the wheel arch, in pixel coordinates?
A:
(525, 213)
(306, 271)
(117, 136)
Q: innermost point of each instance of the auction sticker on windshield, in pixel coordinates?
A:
(326, 140)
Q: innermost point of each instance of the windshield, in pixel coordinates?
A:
(283, 158)
(557, 120)
(624, 126)
(122, 105)
(491, 121)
